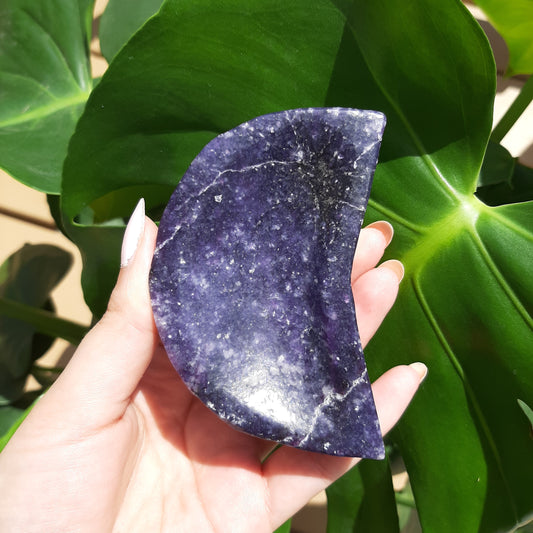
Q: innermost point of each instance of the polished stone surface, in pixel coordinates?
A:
(250, 281)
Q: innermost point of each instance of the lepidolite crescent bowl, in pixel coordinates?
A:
(250, 281)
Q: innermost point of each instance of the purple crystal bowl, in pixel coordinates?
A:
(250, 280)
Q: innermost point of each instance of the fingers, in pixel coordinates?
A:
(393, 392)
(370, 247)
(374, 294)
(107, 366)
(294, 476)
(374, 289)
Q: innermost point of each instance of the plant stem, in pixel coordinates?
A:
(53, 369)
(514, 112)
(43, 321)
(405, 499)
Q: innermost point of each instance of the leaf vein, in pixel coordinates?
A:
(521, 230)
(55, 44)
(395, 217)
(30, 81)
(506, 288)
(426, 158)
(437, 330)
(44, 111)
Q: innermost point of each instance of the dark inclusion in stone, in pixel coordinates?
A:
(250, 281)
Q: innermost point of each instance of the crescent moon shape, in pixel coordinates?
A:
(250, 280)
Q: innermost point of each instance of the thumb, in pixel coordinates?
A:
(109, 363)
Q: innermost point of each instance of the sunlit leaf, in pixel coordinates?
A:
(527, 411)
(514, 20)
(44, 83)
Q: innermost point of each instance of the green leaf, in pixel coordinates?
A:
(514, 21)
(11, 417)
(463, 309)
(498, 167)
(363, 500)
(120, 20)
(198, 68)
(44, 83)
(8, 416)
(27, 277)
(503, 180)
(528, 412)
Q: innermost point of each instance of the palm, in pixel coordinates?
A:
(191, 460)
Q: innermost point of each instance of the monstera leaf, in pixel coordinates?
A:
(120, 20)
(464, 307)
(44, 83)
(514, 20)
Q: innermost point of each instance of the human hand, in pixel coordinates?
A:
(118, 443)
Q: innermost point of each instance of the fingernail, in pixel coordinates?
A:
(132, 235)
(395, 266)
(421, 369)
(385, 228)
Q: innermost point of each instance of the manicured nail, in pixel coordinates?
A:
(132, 235)
(421, 369)
(395, 266)
(385, 228)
